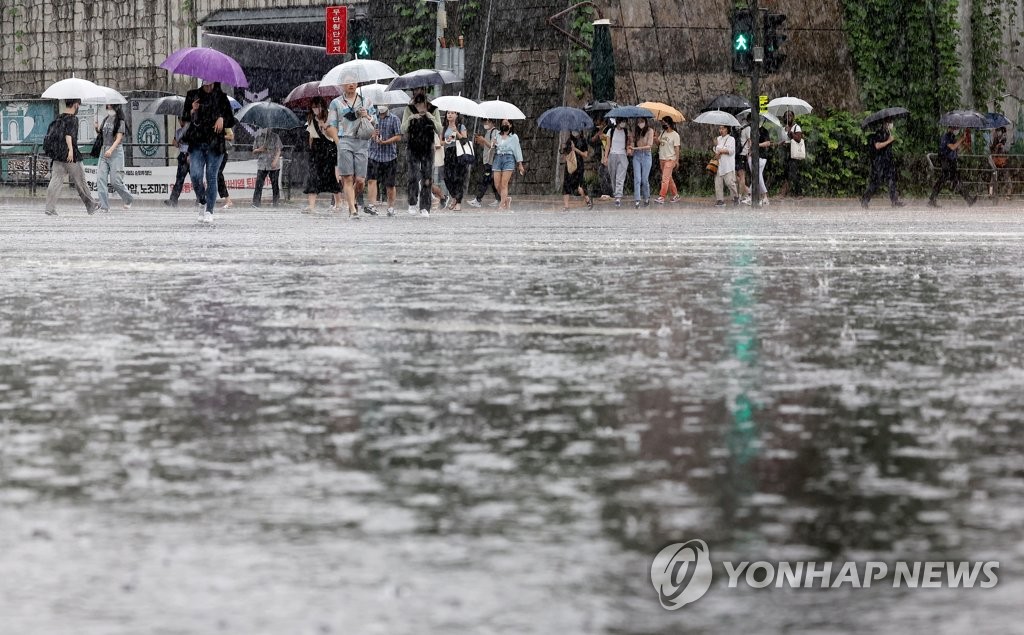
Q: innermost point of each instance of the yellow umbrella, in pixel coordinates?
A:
(662, 110)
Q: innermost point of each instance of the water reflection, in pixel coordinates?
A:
(527, 412)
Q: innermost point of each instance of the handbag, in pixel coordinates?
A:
(570, 162)
(97, 144)
(797, 150)
(364, 129)
(713, 166)
(468, 155)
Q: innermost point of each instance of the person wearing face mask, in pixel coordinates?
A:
(725, 152)
(350, 126)
(615, 158)
(642, 142)
(508, 155)
(111, 159)
(949, 159)
(454, 168)
(421, 122)
(575, 153)
(70, 164)
(323, 155)
(668, 155)
(883, 167)
(487, 141)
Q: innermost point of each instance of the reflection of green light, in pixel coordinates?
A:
(743, 436)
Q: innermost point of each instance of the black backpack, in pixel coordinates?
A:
(421, 135)
(54, 145)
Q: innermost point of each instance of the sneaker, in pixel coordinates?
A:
(636, 204)
(202, 215)
(99, 209)
(864, 203)
(170, 203)
(764, 202)
(745, 200)
(494, 204)
(391, 211)
(369, 209)
(443, 203)
(675, 199)
(719, 203)
(307, 210)
(474, 203)
(413, 210)
(932, 203)
(647, 202)
(53, 212)
(660, 200)
(254, 206)
(126, 205)
(424, 213)
(590, 203)
(618, 202)
(208, 217)
(971, 201)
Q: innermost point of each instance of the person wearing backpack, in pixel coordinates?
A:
(111, 159)
(61, 145)
(421, 120)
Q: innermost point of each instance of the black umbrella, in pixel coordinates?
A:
(423, 78)
(964, 119)
(729, 103)
(600, 106)
(883, 114)
(170, 105)
(267, 114)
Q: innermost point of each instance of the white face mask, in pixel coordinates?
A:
(382, 110)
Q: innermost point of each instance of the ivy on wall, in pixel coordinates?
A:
(414, 41)
(579, 57)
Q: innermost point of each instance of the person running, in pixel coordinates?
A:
(208, 111)
(350, 127)
(487, 141)
(576, 151)
(642, 142)
(725, 152)
(883, 166)
(949, 159)
(111, 159)
(668, 155)
(383, 158)
(69, 164)
(323, 155)
(454, 168)
(508, 156)
(615, 158)
(421, 122)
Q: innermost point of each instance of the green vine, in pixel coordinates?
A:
(414, 42)
(579, 57)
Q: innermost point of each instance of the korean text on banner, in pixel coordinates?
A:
(337, 30)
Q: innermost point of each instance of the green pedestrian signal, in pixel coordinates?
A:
(359, 37)
(742, 41)
(363, 50)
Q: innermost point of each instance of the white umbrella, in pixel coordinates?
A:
(110, 96)
(73, 88)
(372, 92)
(394, 98)
(766, 116)
(497, 109)
(457, 104)
(717, 118)
(780, 105)
(359, 72)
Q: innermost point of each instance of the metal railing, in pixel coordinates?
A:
(980, 173)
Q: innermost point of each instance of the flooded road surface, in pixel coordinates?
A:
(491, 423)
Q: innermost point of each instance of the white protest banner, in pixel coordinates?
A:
(155, 183)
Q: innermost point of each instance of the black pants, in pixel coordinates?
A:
(421, 171)
(487, 181)
(222, 186)
(880, 175)
(179, 177)
(275, 186)
(454, 174)
(951, 173)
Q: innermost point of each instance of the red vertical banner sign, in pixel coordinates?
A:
(337, 30)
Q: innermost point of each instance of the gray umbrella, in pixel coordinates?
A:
(895, 112)
(267, 114)
(728, 103)
(170, 105)
(423, 78)
(964, 119)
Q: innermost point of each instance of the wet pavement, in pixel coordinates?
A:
(491, 422)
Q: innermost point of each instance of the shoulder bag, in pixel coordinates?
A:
(797, 150)
(97, 144)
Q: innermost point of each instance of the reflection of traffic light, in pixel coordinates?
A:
(359, 37)
(773, 40)
(742, 40)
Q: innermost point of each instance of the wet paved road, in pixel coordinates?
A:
(490, 423)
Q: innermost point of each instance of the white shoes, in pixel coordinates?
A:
(202, 214)
(424, 213)
(391, 211)
(745, 200)
(494, 204)
(414, 210)
(474, 203)
(208, 217)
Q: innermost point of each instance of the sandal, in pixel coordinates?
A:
(590, 202)
(457, 208)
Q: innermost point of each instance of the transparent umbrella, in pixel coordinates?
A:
(717, 118)
(74, 88)
(456, 103)
(110, 96)
(358, 72)
(780, 105)
(497, 109)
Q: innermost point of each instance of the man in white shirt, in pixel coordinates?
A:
(725, 152)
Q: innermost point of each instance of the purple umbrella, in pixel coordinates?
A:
(206, 64)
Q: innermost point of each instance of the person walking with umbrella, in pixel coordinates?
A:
(350, 127)
(725, 152)
(487, 140)
(421, 122)
(793, 140)
(616, 159)
(668, 155)
(575, 152)
(67, 161)
(111, 159)
(454, 168)
(883, 166)
(209, 114)
(642, 142)
(267, 146)
(323, 155)
(508, 155)
(949, 158)
(383, 158)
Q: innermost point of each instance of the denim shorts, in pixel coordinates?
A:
(504, 163)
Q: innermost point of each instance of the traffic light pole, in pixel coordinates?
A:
(755, 110)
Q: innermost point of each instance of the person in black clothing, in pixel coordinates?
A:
(68, 165)
(421, 120)
(208, 111)
(572, 182)
(883, 166)
(949, 156)
(323, 155)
